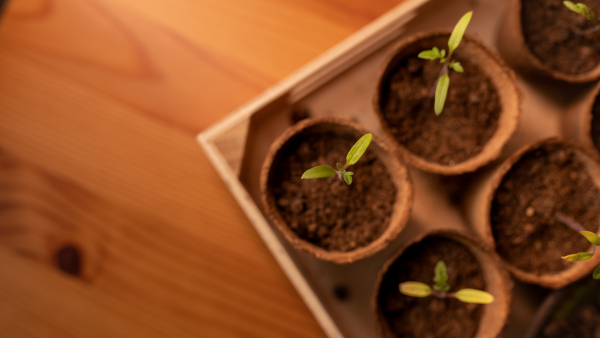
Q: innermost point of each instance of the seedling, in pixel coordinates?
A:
(441, 288)
(587, 13)
(443, 80)
(590, 236)
(353, 156)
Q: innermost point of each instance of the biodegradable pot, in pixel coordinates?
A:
(578, 121)
(496, 279)
(395, 168)
(481, 200)
(500, 77)
(516, 52)
(577, 306)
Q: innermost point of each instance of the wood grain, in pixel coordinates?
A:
(100, 101)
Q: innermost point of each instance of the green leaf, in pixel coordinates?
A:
(441, 91)
(415, 289)
(596, 274)
(441, 275)
(582, 256)
(428, 55)
(474, 296)
(443, 53)
(347, 178)
(358, 149)
(581, 9)
(456, 66)
(592, 237)
(339, 166)
(349, 173)
(318, 172)
(459, 31)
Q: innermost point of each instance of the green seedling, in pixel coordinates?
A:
(443, 80)
(440, 289)
(590, 236)
(353, 156)
(586, 12)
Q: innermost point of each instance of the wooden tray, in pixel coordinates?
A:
(341, 83)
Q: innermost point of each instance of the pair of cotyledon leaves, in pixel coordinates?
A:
(418, 289)
(582, 256)
(353, 156)
(441, 89)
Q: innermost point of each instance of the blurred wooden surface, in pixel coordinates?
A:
(100, 102)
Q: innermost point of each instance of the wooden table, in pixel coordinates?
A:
(112, 221)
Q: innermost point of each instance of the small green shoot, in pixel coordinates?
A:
(590, 236)
(586, 12)
(440, 289)
(443, 80)
(353, 156)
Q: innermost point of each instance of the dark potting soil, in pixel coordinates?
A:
(553, 34)
(467, 122)
(326, 211)
(542, 183)
(596, 123)
(432, 317)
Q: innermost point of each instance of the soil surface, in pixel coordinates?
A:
(432, 317)
(542, 183)
(467, 122)
(326, 211)
(596, 123)
(555, 36)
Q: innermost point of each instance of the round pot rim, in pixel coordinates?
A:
(400, 178)
(552, 280)
(584, 77)
(509, 115)
(471, 243)
(588, 107)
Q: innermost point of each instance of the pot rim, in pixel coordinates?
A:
(494, 314)
(504, 83)
(398, 173)
(553, 280)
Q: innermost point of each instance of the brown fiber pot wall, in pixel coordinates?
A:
(496, 278)
(514, 50)
(502, 78)
(398, 174)
(577, 122)
(479, 202)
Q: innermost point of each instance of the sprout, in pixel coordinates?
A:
(443, 81)
(353, 156)
(441, 288)
(586, 12)
(590, 236)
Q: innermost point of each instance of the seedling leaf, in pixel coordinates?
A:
(428, 55)
(358, 149)
(459, 31)
(596, 274)
(440, 93)
(575, 8)
(456, 66)
(318, 172)
(474, 296)
(582, 256)
(592, 237)
(347, 178)
(441, 275)
(415, 289)
(339, 166)
(349, 173)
